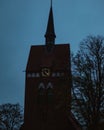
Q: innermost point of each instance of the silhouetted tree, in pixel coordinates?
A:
(88, 82)
(11, 116)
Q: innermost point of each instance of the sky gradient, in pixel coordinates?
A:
(23, 23)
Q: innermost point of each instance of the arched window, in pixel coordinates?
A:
(41, 88)
(49, 85)
(49, 92)
(41, 85)
(41, 93)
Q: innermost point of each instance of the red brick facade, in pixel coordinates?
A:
(48, 86)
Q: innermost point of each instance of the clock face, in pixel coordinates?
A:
(45, 72)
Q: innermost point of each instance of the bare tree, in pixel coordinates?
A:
(11, 116)
(88, 82)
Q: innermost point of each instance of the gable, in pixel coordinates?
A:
(57, 58)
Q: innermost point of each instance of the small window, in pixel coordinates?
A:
(53, 74)
(50, 93)
(37, 75)
(33, 75)
(58, 74)
(41, 86)
(28, 75)
(41, 89)
(49, 85)
(41, 93)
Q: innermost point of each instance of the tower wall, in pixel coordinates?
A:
(48, 88)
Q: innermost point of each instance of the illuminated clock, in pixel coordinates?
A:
(45, 72)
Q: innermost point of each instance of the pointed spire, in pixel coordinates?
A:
(50, 32)
(51, 3)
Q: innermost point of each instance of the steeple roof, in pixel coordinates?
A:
(50, 31)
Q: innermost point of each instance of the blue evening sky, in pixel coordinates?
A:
(23, 23)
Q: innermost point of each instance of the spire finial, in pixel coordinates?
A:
(51, 3)
(50, 31)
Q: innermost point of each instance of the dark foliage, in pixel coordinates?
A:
(11, 116)
(88, 82)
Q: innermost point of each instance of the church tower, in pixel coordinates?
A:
(48, 84)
